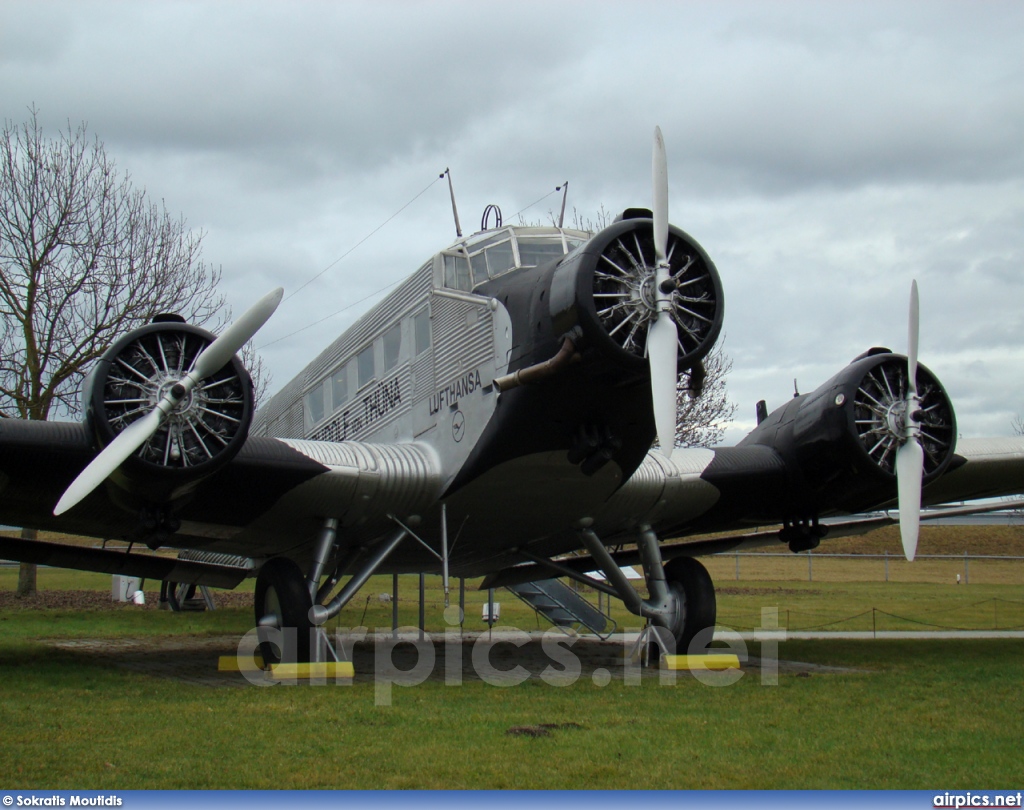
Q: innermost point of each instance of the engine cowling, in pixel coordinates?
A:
(202, 434)
(840, 441)
(607, 288)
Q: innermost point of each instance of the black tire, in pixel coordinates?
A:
(281, 590)
(695, 593)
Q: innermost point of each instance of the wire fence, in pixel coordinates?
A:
(957, 569)
(988, 614)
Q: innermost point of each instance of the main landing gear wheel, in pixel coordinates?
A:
(282, 603)
(696, 608)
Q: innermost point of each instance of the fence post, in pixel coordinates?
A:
(887, 565)
(967, 570)
(737, 566)
(394, 606)
(810, 573)
(423, 597)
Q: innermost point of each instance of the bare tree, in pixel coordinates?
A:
(701, 419)
(580, 222)
(84, 256)
(601, 220)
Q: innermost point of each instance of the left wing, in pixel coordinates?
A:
(269, 500)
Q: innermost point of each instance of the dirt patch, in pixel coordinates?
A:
(528, 731)
(100, 600)
(540, 730)
(500, 662)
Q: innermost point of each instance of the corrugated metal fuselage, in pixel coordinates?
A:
(507, 478)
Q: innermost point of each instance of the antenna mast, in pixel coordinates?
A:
(455, 211)
(564, 188)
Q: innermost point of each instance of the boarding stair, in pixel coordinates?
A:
(564, 607)
(183, 596)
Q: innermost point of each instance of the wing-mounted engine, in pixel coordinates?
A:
(609, 288)
(840, 442)
(202, 431)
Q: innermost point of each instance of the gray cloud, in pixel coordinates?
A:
(823, 154)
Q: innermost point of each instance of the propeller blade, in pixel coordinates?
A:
(211, 360)
(660, 213)
(910, 455)
(662, 336)
(661, 354)
(113, 456)
(912, 339)
(215, 356)
(909, 471)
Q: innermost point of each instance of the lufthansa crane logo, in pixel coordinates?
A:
(458, 426)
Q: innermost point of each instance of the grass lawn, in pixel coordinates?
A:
(924, 713)
(916, 714)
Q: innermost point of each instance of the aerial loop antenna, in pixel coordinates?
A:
(455, 211)
(490, 209)
(564, 188)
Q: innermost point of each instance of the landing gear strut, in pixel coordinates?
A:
(289, 615)
(681, 593)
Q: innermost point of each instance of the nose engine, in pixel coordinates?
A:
(609, 288)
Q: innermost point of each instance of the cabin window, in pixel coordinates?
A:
(339, 387)
(315, 405)
(421, 328)
(365, 366)
(392, 346)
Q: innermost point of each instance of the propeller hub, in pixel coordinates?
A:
(170, 388)
(648, 293)
(896, 419)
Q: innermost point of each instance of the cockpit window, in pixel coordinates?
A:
(500, 258)
(456, 273)
(494, 253)
(535, 251)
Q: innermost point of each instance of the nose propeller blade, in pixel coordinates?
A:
(661, 355)
(661, 335)
(210, 361)
(659, 172)
(909, 469)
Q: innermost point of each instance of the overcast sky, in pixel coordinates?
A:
(824, 154)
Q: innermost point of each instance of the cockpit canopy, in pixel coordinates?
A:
(489, 254)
